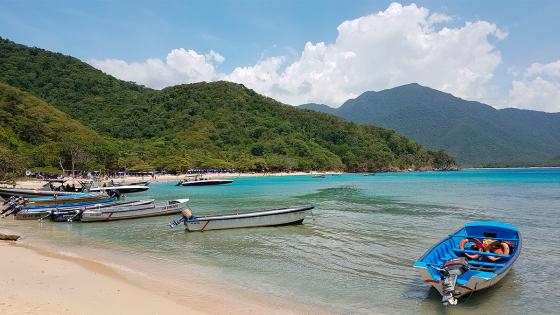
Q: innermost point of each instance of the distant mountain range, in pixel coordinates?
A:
(473, 132)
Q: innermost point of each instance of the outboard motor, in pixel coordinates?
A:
(14, 204)
(452, 269)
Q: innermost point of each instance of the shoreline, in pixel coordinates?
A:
(32, 183)
(76, 280)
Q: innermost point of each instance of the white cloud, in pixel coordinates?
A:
(180, 66)
(539, 89)
(399, 45)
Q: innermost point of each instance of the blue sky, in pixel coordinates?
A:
(246, 32)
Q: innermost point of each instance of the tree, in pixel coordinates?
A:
(12, 166)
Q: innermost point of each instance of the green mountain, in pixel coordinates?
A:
(318, 108)
(215, 125)
(473, 132)
(33, 133)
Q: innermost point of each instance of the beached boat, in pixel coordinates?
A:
(23, 192)
(133, 212)
(75, 214)
(272, 217)
(473, 258)
(74, 200)
(197, 180)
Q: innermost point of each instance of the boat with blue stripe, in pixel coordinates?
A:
(475, 257)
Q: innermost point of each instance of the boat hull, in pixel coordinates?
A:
(123, 189)
(143, 211)
(473, 285)
(31, 215)
(276, 217)
(75, 214)
(17, 192)
(207, 182)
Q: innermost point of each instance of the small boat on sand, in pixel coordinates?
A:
(133, 212)
(474, 258)
(198, 180)
(272, 217)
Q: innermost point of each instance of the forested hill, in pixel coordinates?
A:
(473, 132)
(218, 124)
(35, 134)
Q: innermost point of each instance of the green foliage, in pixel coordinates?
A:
(209, 125)
(35, 132)
(12, 165)
(475, 133)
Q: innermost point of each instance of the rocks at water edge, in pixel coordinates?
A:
(9, 237)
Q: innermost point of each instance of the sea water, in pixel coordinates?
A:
(355, 253)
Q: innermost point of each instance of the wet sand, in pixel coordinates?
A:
(38, 280)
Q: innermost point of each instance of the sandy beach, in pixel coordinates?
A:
(38, 280)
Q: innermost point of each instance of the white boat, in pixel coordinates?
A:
(75, 214)
(133, 212)
(122, 189)
(272, 217)
(198, 180)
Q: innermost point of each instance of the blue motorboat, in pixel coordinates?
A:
(475, 257)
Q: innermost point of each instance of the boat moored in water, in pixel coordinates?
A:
(474, 258)
(74, 200)
(198, 180)
(75, 214)
(136, 211)
(121, 189)
(271, 217)
(23, 192)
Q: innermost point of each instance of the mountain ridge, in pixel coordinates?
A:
(209, 125)
(473, 132)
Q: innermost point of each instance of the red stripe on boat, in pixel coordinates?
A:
(465, 287)
(431, 281)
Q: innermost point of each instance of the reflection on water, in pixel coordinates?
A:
(355, 253)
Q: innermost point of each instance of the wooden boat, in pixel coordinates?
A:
(475, 257)
(197, 180)
(272, 217)
(133, 212)
(75, 214)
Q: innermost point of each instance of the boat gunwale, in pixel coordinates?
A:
(259, 213)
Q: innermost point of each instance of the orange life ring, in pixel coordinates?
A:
(478, 247)
(497, 247)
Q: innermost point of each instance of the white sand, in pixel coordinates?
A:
(35, 280)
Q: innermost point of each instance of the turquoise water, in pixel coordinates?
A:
(354, 255)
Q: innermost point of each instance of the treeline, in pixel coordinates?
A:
(75, 114)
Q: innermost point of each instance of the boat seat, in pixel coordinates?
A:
(465, 251)
(485, 264)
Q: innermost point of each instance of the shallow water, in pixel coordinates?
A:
(354, 255)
